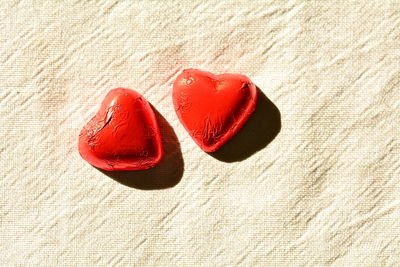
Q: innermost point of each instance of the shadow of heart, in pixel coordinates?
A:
(166, 174)
(260, 129)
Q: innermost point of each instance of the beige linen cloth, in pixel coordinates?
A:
(312, 180)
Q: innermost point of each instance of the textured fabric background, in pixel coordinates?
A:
(323, 188)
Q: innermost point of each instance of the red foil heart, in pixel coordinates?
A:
(213, 108)
(123, 135)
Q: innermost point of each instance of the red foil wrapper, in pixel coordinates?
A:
(211, 107)
(123, 135)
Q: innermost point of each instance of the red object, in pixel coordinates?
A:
(211, 107)
(123, 135)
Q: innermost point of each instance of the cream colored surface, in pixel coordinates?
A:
(325, 191)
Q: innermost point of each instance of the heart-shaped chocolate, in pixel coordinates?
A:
(123, 135)
(213, 108)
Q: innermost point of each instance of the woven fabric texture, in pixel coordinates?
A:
(313, 179)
